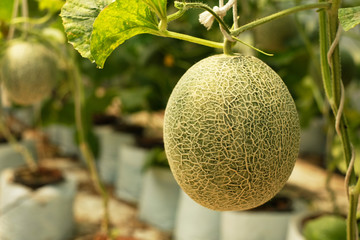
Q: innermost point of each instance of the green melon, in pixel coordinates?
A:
(28, 72)
(231, 132)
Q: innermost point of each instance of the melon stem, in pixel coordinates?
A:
(227, 47)
(192, 39)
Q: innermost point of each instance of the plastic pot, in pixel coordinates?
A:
(129, 173)
(195, 222)
(63, 137)
(159, 198)
(42, 214)
(258, 225)
(110, 142)
(10, 157)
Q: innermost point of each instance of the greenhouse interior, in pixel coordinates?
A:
(179, 120)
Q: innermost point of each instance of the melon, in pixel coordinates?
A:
(231, 132)
(28, 72)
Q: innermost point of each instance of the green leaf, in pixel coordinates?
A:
(51, 5)
(349, 17)
(118, 22)
(78, 18)
(158, 6)
(329, 227)
(6, 7)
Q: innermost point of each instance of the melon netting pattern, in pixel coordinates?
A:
(231, 132)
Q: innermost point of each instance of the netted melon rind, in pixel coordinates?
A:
(231, 132)
(28, 71)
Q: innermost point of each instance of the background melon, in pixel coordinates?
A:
(28, 72)
(231, 132)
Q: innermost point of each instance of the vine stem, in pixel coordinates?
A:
(235, 15)
(73, 72)
(32, 21)
(192, 39)
(25, 14)
(176, 15)
(14, 15)
(331, 72)
(260, 21)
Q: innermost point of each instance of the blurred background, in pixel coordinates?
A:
(123, 115)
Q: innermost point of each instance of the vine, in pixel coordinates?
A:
(74, 75)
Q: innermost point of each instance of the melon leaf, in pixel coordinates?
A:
(158, 7)
(78, 17)
(118, 22)
(349, 17)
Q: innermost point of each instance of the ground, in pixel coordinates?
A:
(88, 207)
(306, 182)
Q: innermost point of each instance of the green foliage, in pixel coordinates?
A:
(307, 92)
(6, 7)
(134, 99)
(328, 227)
(95, 33)
(51, 5)
(57, 111)
(158, 7)
(349, 17)
(97, 103)
(338, 159)
(78, 18)
(61, 109)
(120, 21)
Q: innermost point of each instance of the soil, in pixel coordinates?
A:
(39, 178)
(102, 237)
(278, 203)
(306, 182)
(149, 142)
(101, 119)
(123, 126)
(17, 136)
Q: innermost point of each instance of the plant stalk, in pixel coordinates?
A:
(352, 228)
(283, 13)
(331, 72)
(227, 47)
(32, 21)
(25, 14)
(85, 150)
(192, 39)
(176, 15)
(14, 15)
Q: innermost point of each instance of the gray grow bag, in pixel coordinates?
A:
(43, 214)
